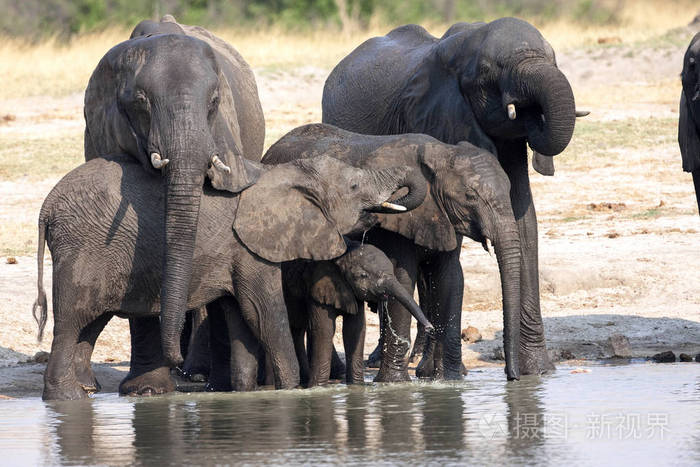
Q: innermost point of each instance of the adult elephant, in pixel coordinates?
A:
(184, 104)
(495, 85)
(101, 223)
(689, 121)
(469, 196)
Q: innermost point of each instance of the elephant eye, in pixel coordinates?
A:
(353, 187)
(364, 275)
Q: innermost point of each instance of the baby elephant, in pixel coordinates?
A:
(104, 226)
(316, 293)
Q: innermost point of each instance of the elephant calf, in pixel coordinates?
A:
(103, 223)
(316, 293)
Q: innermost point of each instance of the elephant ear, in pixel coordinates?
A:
(227, 134)
(432, 103)
(107, 129)
(329, 287)
(688, 138)
(427, 225)
(280, 220)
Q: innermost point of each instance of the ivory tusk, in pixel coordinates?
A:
(488, 246)
(582, 113)
(216, 162)
(157, 162)
(395, 207)
(511, 111)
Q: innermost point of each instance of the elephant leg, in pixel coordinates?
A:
(149, 373)
(60, 381)
(245, 348)
(321, 331)
(418, 344)
(426, 366)
(397, 320)
(533, 356)
(337, 365)
(83, 354)
(354, 343)
(196, 366)
(696, 182)
(302, 356)
(262, 305)
(220, 344)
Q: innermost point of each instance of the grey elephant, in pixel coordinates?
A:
(689, 118)
(468, 196)
(185, 105)
(495, 85)
(316, 293)
(102, 223)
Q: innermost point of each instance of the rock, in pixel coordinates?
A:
(566, 354)
(664, 357)
(684, 357)
(41, 357)
(498, 354)
(619, 346)
(11, 260)
(471, 335)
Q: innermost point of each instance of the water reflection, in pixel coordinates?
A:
(483, 420)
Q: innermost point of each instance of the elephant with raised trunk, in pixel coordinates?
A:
(495, 85)
(468, 196)
(689, 121)
(102, 223)
(185, 105)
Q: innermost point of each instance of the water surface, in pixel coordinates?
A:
(618, 414)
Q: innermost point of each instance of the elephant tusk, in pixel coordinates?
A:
(511, 111)
(582, 113)
(395, 207)
(216, 162)
(488, 246)
(157, 162)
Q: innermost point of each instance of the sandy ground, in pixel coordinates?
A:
(629, 267)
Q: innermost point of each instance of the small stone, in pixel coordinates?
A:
(566, 354)
(11, 260)
(664, 357)
(498, 354)
(471, 335)
(684, 357)
(619, 346)
(41, 357)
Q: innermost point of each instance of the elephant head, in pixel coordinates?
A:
(470, 195)
(689, 119)
(301, 210)
(166, 101)
(489, 82)
(370, 274)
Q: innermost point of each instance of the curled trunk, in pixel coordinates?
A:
(550, 131)
(411, 179)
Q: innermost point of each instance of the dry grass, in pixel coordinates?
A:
(56, 67)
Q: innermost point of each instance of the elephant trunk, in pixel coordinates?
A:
(183, 192)
(401, 177)
(550, 131)
(506, 243)
(395, 289)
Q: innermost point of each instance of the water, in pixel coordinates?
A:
(625, 414)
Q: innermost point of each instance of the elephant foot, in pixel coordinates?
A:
(68, 392)
(535, 362)
(387, 375)
(426, 367)
(150, 383)
(87, 381)
(375, 358)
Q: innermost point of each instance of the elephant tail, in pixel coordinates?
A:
(40, 309)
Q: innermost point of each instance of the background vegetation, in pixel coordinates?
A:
(38, 18)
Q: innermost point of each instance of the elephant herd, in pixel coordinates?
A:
(423, 142)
